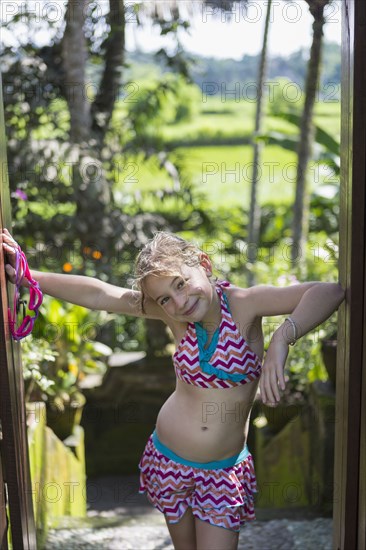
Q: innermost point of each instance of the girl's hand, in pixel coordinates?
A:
(9, 247)
(272, 376)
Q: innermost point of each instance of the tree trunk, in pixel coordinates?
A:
(88, 126)
(74, 58)
(254, 214)
(109, 87)
(301, 206)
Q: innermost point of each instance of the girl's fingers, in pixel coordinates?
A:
(8, 234)
(262, 390)
(274, 385)
(267, 394)
(10, 253)
(11, 259)
(271, 381)
(281, 378)
(9, 247)
(7, 237)
(10, 271)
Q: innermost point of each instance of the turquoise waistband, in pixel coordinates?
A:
(215, 465)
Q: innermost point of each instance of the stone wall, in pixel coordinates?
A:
(57, 470)
(121, 414)
(295, 466)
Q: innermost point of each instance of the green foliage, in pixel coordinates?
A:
(231, 73)
(324, 212)
(37, 357)
(169, 193)
(326, 148)
(285, 97)
(322, 137)
(187, 101)
(63, 351)
(304, 364)
(161, 102)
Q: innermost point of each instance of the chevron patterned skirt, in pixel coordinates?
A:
(220, 492)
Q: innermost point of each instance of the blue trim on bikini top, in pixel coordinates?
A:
(214, 465)
(206, 354)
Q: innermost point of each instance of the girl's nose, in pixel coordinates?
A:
(180, 301)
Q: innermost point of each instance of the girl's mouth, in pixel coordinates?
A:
(189, 311)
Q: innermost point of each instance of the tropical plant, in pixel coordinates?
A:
(304, 364)
(326, 149)
(61, 136)
(38, 359)
(63, 351)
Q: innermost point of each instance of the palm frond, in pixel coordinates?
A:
(169, 9)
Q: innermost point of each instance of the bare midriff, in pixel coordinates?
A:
(205, 425)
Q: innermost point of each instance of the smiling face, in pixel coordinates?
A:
(186, 297)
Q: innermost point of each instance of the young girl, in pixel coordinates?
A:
(196, 468)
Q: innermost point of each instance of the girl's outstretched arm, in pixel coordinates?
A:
(310, 305)
(89, 292)
(82, 290)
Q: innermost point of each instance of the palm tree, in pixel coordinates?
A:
(84, 120)
(254, 213)
(300, 224)
(89, 123)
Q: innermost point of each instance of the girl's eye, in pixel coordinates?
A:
(182, 283)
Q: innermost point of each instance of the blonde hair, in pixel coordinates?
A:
(163, 255)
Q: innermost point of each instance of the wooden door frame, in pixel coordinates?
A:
(350, 429)
(15, 490)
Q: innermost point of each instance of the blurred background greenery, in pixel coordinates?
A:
(107, 146)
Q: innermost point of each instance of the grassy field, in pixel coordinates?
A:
(223, 172)
(236, 119)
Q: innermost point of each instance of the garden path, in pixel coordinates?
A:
(121, 519)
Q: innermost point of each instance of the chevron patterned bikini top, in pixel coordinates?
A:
(227, 362)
